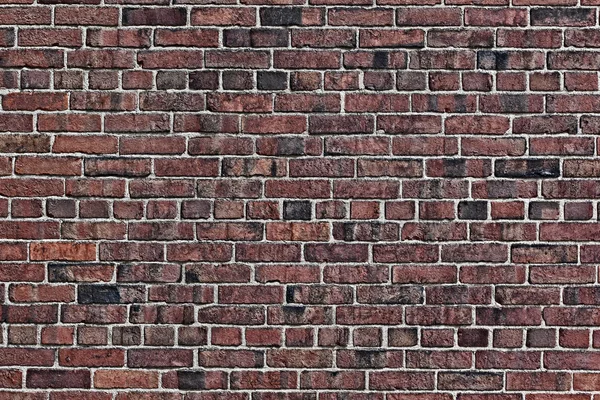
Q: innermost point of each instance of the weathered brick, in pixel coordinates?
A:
(271, 199)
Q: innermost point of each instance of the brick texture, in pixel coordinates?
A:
(299, 200)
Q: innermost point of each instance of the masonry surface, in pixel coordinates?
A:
(299, 199)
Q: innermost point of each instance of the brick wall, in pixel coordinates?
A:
(301, 200)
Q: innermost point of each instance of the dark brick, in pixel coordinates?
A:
(268, 80)
(473, 337)
(280, 16)
(58, 208)
(154, 16)
(299, 210)
(171, 80)
(544, 210)
(472, 209)
(110, 294)
(563, 16)
(58, 378)
(488, 59)
(204, 80)
(529, 168)
(191, 380)
(237, 80)
(126, 335)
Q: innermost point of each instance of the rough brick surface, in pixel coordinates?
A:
(299, 199)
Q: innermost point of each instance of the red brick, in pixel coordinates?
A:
(171, 59)
(91, 357)
(58, 378)
(221, 102)
(33, 59)
(306, 103)
(50, 37)
(555, 381)
(295, 358)
(490, 125)
(264, 380)
(106, 37)
(405, 253)
(104, 16)
(351, 189)
(242, 201)
(391, 38)
(470, 381)
(63, 166)
(301, 59)
(375, 60)
(425, 16)
(349, 380)
(496, 17)
(112, 379)
(41, 293)
(446, 59)
(63, 251)
(223, 16)
(199, 252)
(148, 358)
(26, 357)
(401, 380)
(35, 101)
(26, 15)
(340, 124)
